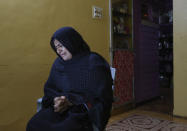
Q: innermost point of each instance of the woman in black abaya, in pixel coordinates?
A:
(78, 92)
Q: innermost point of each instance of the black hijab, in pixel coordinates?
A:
(71, 39)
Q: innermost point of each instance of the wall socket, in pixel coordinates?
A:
(97, 12)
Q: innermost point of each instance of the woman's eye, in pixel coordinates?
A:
(59, 45)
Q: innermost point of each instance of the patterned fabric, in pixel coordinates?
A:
(145, 123)
(124, 64)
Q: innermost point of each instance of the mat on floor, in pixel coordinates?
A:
(145, 123)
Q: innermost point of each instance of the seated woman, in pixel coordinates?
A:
(78, 92)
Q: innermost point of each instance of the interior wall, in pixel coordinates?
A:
(180, 57)
(26, 56)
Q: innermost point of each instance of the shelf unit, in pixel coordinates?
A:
(122, 51)
(166, 55)
(122, 24)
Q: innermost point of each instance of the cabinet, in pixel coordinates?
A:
(146, 26)
(122, 51)
(122, 25)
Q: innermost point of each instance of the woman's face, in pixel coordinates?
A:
(62, 51)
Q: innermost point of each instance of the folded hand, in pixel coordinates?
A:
(61, 104)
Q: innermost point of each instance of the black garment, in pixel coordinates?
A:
(48, 120)
(86, 78)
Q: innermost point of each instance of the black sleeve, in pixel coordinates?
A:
(49, 90)
(103, 97)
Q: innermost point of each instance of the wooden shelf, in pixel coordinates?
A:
(122, 35)
(117, 13)
(149, 23)
(167, 24)
(123, 49)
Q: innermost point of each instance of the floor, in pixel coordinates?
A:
(162, 104)
(149, 113)
(160, 108)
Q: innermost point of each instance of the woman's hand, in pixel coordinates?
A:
(61, 104)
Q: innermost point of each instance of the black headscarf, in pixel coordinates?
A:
(71, 39)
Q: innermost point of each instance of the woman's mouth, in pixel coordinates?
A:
(63, 54)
